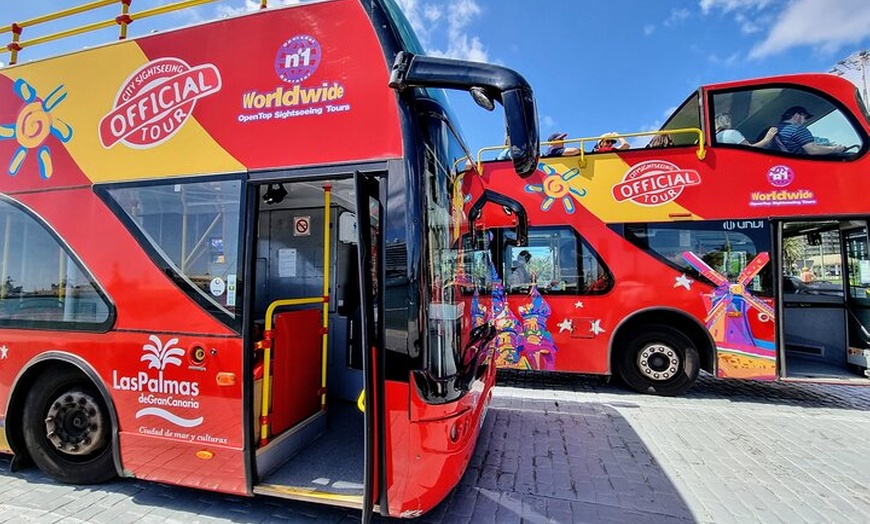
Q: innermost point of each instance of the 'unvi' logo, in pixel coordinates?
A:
(155, 102)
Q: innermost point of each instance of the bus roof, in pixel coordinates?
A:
(273, 89)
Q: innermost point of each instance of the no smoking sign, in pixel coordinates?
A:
(301, 226)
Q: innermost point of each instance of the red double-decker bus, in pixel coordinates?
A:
(224, 251)
(739, 246)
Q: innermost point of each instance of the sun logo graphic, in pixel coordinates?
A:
(556, 186)
(157, 393)
(35, 123)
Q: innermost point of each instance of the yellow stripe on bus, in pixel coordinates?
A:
(91, 88)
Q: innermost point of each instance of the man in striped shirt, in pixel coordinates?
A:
(797, 139)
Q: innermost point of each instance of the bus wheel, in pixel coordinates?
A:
(660, 360)
(67, 429)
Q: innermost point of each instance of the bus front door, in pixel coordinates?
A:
(368, 216)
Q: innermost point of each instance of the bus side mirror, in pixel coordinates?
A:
(486, 83)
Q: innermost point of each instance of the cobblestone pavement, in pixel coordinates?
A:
(559, 448)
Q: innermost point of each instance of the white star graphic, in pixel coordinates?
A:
(596, 327)
(566, 325)
(4, 351)
(683, 281)
(578, 305)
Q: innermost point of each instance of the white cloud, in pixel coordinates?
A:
(732, 5)
(677, 16)
(547, 122)
(821, 23)
(730, 60)
(447, 22)
(648, 29)
(251, 5)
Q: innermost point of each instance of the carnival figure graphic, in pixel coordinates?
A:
(539, 350)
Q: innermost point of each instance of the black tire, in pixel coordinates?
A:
(67, 428)
(659, 360)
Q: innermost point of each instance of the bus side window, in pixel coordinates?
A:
(788, 120)
(561, 262)
(41, 281)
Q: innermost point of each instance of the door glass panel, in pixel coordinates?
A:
(858, 257)
(812, 260)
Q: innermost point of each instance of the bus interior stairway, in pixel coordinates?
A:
(332, 465)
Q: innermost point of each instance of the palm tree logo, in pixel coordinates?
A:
(159, 356)
(35, 123)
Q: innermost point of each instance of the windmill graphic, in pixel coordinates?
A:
(727, 308)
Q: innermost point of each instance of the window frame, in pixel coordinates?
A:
(61, 243)
(167, 266)
(758, 240)
(849, 116)
(500, 246)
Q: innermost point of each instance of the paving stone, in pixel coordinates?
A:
(560, 448)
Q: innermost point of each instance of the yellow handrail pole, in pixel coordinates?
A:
(124, 20)
(327, 203)
(480, 155)
(267, 358)
(69, 32)
(267, 390)
(61, 14)
(701, 152)
(168, 8)
(264, 4)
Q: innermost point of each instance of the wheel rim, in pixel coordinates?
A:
(75, 425)
(658, 362)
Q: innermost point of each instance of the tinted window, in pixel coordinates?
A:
(688, 116)
(193, 228)
(744, 117)
(558, 261)
(719, 248)
(42, 284)
(444, 157)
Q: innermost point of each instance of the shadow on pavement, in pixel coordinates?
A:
(542, 461)
(537, 461)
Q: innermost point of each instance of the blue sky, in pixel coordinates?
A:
(595, 66)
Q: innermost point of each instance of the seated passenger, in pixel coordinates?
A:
(658, 141)
(560, 149)
(796, 138)
(609, 141)
(520, 276)
(726, 135)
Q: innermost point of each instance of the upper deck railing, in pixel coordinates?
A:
(585, 141)
(125, 18)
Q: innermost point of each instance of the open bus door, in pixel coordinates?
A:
(368, 215)
(824, 296)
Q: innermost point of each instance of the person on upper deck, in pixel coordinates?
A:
(610, 142)
(663, 140)
(560, 149)
(727, 135)
(797, 139)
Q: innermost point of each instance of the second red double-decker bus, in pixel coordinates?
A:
(739, 246)
(224, 252)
